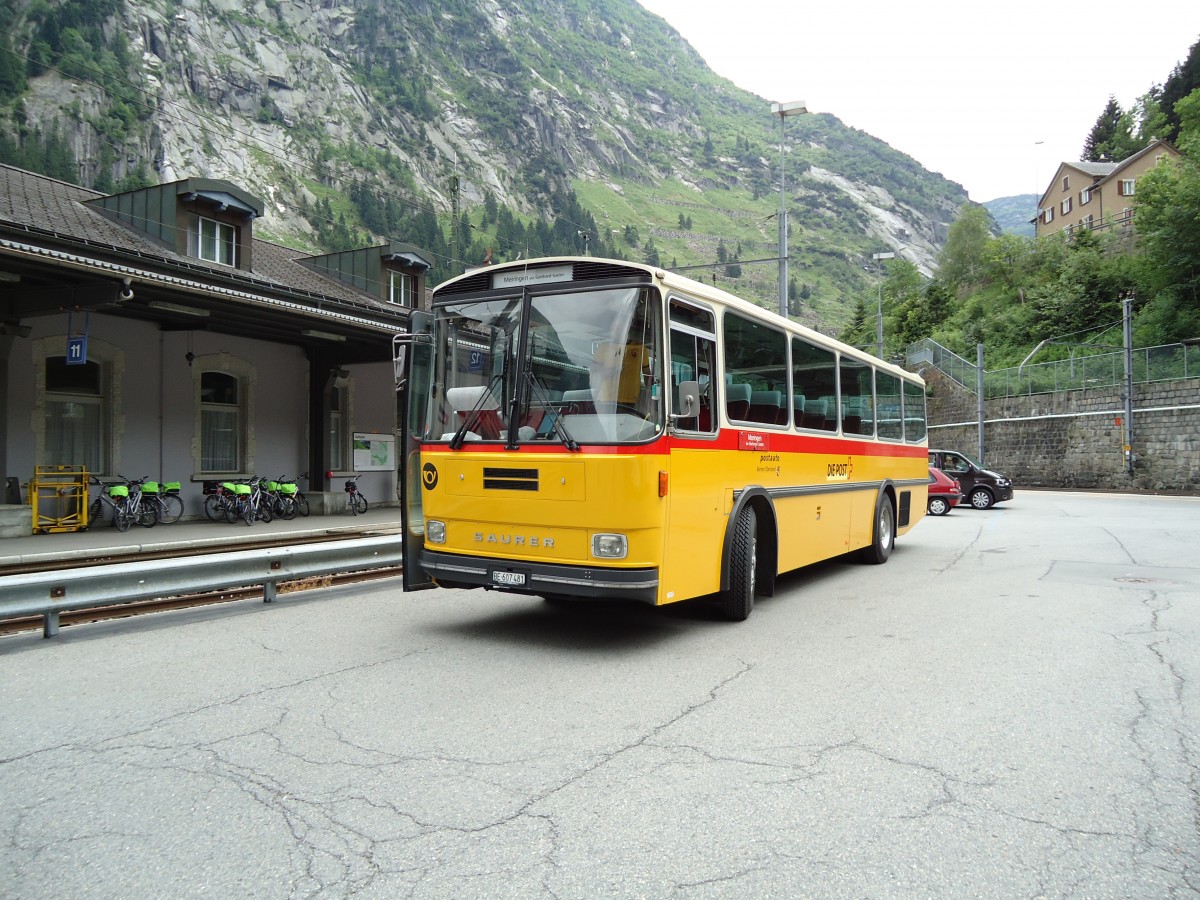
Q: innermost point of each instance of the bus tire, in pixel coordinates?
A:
(738, 601)
(883, 536)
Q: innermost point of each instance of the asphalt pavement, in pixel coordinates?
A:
(1010, 707)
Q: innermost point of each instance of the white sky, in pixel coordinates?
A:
(967, 88)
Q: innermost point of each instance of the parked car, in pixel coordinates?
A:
(944, 492)
(982, 487)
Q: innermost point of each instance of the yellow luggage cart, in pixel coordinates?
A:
(59, 496)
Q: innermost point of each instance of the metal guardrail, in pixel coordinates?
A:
(47, 594)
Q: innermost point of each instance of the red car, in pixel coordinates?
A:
(944, 492)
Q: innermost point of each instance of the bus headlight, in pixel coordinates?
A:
(435, 531)
(609, 546)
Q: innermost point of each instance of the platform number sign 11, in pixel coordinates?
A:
(77, 350)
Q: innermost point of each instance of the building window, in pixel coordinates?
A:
(400, 289)
(75, 416)
(1048, 215)
(1086, 222)
(1085, 196)
(1125, 187)
(1066, 205)
(213, 241)
(1066, 182)
(338, 417)
(221, 398)
(1125, 217)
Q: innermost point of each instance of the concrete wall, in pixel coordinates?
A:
(1073, 439)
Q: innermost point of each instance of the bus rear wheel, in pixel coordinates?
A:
(738, 600)
(883, 538)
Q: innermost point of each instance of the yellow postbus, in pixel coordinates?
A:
(580, 427)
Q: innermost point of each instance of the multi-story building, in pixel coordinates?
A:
(1089, 195)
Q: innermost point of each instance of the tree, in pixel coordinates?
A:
(961, 261)
(857, 332)
(1168, 225)
(1112, 137)
(1102, 133)
(1183, 80)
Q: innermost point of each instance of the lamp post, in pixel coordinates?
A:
(879, 258)
(783, 110)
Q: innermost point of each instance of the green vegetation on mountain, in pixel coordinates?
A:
(471, 128)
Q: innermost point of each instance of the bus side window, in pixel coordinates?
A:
(814, 380)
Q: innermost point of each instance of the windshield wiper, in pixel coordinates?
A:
(472, 417)
(556, 420)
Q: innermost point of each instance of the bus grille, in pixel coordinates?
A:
(510, 479)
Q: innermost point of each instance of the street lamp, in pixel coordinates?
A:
(879, 258)
(783, 110)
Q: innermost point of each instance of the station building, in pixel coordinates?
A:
(150, 333)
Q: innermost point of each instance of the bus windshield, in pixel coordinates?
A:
(577, 367)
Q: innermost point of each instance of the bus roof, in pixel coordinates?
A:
(692, 288)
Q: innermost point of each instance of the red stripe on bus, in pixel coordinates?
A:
(728, 439)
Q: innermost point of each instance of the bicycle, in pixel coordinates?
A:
(281, 494)
(218, 501)
(163, 500)
(113, 495)
(354, 498)
(134, 509)
(299, 498)
(124, 498)
(245, 501)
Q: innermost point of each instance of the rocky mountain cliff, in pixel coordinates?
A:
(384, 118)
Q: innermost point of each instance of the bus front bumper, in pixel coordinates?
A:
(545, 579)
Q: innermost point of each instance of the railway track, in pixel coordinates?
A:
(135, 608)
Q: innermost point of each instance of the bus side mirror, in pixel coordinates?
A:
(398, 356)
(689, 399)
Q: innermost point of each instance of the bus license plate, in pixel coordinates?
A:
(508, 579)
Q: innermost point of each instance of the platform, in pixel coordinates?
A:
(189, 535)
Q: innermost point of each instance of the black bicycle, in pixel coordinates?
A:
(354, 498)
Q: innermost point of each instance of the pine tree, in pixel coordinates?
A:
(1103, 132)
(1182, 81)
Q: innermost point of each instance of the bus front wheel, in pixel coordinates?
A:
(883, 539)
(738, 600)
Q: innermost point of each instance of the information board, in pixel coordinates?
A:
(374, 452)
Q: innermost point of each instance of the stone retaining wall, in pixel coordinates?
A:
(1073, 439)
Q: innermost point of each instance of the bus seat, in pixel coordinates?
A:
(798, 410)
(852, 415)
(737, 401)
(814, 413)
(766, 406)
(485, 420)
(831, 413)
(464, 399)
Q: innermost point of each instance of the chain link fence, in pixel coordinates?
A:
(1166, 362)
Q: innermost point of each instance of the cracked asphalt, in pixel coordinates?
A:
(1008, 708)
